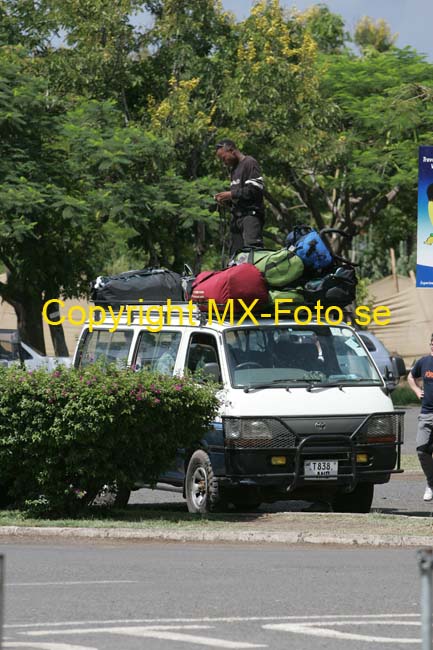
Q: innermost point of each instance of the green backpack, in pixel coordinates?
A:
(279, 268)
(284, 294)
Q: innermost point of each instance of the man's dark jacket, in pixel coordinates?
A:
(247, 189)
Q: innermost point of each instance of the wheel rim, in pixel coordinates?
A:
(199, 487)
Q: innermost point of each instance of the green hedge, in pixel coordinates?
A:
(66, 434)
(403, 395)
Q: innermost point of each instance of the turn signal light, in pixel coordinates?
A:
(362, 458)
(278, 460)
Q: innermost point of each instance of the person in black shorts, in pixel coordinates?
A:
(245, 196)
(423, 371)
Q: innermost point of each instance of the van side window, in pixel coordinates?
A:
(157, 351)
(111, 347)
(368, 344)
(202, 351)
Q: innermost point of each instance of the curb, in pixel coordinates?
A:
(251, 537)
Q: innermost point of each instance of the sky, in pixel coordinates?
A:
(412, 19)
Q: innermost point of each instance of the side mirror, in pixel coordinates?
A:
(390, 379)
(211, 371)
(400, 366)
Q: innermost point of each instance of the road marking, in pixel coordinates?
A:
(69, 583)
(45, 646)
(158, 632)
(207, 619)
(318, 629)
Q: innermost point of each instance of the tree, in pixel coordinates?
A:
(374, 34)
(49, 239)
(369, 161)
(326, 28)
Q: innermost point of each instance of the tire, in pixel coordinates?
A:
(201, 486)
(359, 500)
(245, 500)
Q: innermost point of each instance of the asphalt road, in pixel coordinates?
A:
(167, 596)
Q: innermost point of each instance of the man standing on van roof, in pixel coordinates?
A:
(423, 370)
(245, 196)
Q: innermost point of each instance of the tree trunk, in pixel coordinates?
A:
(57, 332)
(29, 316)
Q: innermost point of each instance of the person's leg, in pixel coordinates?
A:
(252, 228)
(424, 446)
(236, 243)
(236, 240)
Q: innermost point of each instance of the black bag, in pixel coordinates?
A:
(334, 289)
(149, 285)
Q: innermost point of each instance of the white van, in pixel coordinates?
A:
(305, 413)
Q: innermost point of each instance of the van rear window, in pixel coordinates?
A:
(110, 347)
(157, 351)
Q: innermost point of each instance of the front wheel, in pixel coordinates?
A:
(201, 486)
(359, 500)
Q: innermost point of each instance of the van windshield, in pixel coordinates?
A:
(294, 355)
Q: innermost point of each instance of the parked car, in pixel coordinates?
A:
(391, 367)
(12, 350)
(304, 414)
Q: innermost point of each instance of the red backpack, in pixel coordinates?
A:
(242, 281)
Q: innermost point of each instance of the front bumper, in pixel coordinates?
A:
(252, 467)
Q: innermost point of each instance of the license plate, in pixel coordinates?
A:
(321, 468)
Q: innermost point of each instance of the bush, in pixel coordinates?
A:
(65, 434)
(403, 395)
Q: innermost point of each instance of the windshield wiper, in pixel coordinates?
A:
(274, 383)
(270, 384)
(317, 384)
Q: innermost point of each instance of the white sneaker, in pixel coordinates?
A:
(428, 494)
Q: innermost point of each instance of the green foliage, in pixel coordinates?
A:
(326, 28)
(403, 395)
(377, 35)
(66, 434)
(106, 137)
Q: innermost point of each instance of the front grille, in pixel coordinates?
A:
(287, 432)
(281, 438)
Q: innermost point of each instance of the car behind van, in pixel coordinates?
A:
(13, 351)
(390, 366)
(305, 413)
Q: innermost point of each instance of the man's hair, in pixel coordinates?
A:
(226, 143)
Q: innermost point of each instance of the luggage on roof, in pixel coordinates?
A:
(147, 285)
(308, 244)
(279, 268)
(243, 281)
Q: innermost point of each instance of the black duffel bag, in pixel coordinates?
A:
(149, 285)
(334, 289)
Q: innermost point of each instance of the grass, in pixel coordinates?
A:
(303, 524)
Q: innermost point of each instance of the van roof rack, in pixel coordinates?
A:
(202, 314)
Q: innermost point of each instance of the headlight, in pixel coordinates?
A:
(232, 428)
(246, 428)
(386, 427)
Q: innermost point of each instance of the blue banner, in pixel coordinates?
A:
(424, 258)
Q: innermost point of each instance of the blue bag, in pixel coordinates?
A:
(310, 247)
